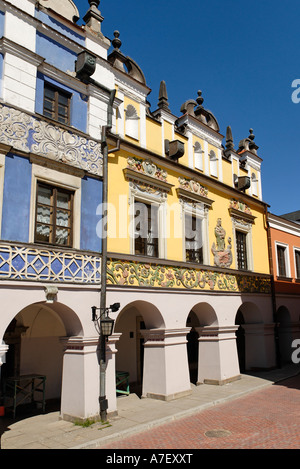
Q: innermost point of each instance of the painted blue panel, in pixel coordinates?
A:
(91, 197)
(54, 53)
(16, 199)
(79, 102)
(61, 28)
(2, 18)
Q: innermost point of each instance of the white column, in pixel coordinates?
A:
(259, 346)
(80, 379)
(218, 359)
(166, 372)
(111, 351)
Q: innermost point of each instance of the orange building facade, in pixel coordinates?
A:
(285, 267)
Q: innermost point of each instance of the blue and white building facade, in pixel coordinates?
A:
(50, 191)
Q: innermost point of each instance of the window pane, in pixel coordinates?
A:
(62, 236)
(44, 195)
(62, 218)
(43, 233)
(281, 261)
(241, 247)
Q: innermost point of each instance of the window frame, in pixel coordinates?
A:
(240, 252)
(57, 91)
(55, 190)
(297, 264)
(160, 201)
(243, 226)
(200, 211)
(144, 242)
(285, 247)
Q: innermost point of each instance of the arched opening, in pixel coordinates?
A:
(200, 316)
(248, 315)
(34, 349)
(132, 320)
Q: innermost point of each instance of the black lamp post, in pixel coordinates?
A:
(104, 326)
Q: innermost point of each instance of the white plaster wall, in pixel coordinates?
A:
(19, 82)
(19, 29)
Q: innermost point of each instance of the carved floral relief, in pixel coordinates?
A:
(31, 135)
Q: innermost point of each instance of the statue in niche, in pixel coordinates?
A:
(222, 256)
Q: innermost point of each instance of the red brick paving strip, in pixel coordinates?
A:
(266, 419)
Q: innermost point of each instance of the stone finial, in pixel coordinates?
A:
(163, 97)
(93, 18)
(116, 42)
(229, 139)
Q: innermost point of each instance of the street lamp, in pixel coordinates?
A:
(104, 326)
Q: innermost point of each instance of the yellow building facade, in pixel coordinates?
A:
(187, 243)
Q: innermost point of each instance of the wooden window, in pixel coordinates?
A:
(56, 104)
(54, 215)
(241, 249)
(193, 239)
(146, 229)
(281, 261)
(297, 260)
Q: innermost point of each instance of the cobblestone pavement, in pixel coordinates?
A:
(265, 419)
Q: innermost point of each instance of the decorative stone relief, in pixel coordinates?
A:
(240, 205)
(24, 132)
(193, 186)
(222, 255)
(147, 167)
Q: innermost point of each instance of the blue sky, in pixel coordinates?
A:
(244, 56)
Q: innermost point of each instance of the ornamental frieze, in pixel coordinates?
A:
(139, 274)
(24, 132)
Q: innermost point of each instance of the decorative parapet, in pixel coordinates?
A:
(139, 274)
(26, 133)
(48, 265)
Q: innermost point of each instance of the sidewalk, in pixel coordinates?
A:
(47, 431)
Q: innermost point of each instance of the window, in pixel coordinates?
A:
(297, 263)
(254, 184)
(213, 164)
(241, 249)
(281, 261)
(54, 214)
(193, 239)
(146, 229)
(56, 104)
(132, 122)
(198, 156)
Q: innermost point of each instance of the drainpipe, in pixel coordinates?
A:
(273, 293)
(85, 67)
(103, 403)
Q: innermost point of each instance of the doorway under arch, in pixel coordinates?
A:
(34, 347)
(131, 321)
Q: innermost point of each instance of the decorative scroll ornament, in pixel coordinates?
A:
(192, 186)
(222, 255)
(240, 206)
(147, 167)
(24, 132)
